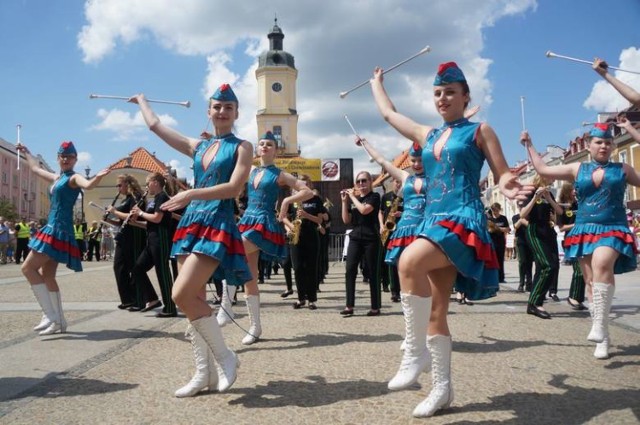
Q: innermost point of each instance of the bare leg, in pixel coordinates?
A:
(195, 270)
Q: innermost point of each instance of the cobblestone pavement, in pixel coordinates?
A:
(116, 367)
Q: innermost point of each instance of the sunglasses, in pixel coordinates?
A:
(118, 185)
(362, 181)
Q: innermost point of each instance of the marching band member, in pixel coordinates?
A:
(452, 241)
(389, 272)
(361, 212)
(94, 236)
(130, 242)
(600, 238)
(207, 240)
(262, 233)
(305, 254)
(156, 252)
(55, 243)
(567, 200)
(542, 241)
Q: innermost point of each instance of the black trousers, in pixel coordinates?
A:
(128, 248)
(22, 249)
(389, 274)
(94, 247)
(542, 241)
(356, 252)
(525, 263)
(155, 254)
(305, 256)
(123, 261)
(286, 269)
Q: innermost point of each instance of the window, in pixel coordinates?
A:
(277, 133)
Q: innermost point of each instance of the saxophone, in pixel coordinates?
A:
(297, 223)
(390, 223)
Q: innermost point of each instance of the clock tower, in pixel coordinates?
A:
(276, 75)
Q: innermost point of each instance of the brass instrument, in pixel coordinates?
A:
(390, 223)
(297, 224)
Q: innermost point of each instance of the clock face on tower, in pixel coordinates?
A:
(276, 87)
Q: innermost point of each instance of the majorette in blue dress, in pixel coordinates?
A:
(209, 227)
(454, 216)
(57, 239)
(258, 223)
(413, 194)
(601, 217)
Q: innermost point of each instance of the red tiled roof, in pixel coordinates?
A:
(141, 159)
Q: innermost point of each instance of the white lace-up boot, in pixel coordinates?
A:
(225, 313)
(206, 375)
(602, 298)
(441, 394)
(226, 359)
(255, 328)
(416, 358)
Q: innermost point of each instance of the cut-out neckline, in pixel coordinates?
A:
(258, 178)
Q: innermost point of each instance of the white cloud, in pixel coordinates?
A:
(84, 158)
(335, 48)
(603, 96)
(125, 125)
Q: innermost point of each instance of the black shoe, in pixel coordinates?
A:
(151, 306)
(520, 288)
(395, 299)
(163, 314)
(286, 293)
(371, 313)
(532, 309)
(313, 306)
(347, 312)
(385, 289)
(578, 306)
(134, 308)
(554, 297)
(298, 305)
(125, 306)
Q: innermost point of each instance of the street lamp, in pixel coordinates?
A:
(87, 171)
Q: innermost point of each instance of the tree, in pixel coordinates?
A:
(8, 210)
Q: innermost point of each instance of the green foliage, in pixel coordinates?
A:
(8, 210)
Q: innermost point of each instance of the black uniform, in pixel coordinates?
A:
(364, 242)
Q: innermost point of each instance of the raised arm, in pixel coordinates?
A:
(507, 181)
(394, 172)
(228, 190)
(34, 165)
(404, 125)
(556, 172)
(601, 67)
(176, 140)
(78, 181)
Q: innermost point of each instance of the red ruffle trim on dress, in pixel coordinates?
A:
(484, 251)
(275, 238)
(591, 238)
(59, 245)
(401, 242)
(234, 246)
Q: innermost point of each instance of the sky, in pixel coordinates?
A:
(56, 53)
